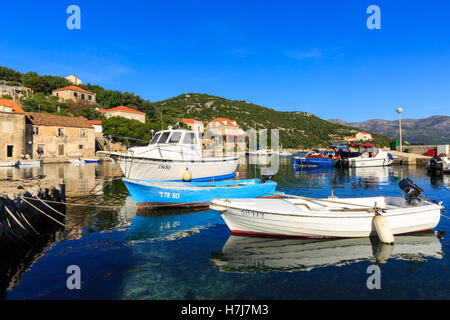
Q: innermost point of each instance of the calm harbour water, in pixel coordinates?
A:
(192, 255)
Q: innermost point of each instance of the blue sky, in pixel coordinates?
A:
(313, 56)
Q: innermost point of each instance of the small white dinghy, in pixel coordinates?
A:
(329, 217)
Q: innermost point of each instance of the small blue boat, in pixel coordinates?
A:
(316, 158)
(149, 194)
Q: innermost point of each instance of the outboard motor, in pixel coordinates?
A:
(436, 165)
(266, 174)
(410, 190)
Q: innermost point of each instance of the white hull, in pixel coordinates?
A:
(282, 217)
(369, 162)
(155, 169)
(8, 164)
(26, 163)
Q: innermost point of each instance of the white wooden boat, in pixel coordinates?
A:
(11, 163)
(75, 161)
(329, 217)
(322, 219)
(370, 156)
(259, 153)
(171, 153)
(26, 163)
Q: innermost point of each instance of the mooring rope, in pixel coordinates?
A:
(51, 207)
(42, 212)
(71, 204)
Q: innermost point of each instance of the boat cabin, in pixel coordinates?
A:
(367, 150)
(171, 144)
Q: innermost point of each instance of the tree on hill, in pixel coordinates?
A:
(129, 132)
(10, 74)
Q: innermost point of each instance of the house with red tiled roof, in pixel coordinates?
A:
(13, 124)
(74, 93)
(229, 131)
(193, 124)
(124, 112)
(219, 122)
(349, 139)
(98, 128)
(54, 136)
(363, 136)
(9, 105)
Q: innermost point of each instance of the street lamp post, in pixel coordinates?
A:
(399, 111)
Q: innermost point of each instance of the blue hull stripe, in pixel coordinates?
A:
(172, 193)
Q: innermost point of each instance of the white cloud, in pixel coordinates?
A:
(300, 55)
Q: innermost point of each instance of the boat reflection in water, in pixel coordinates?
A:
(167, 224)
(258, 254)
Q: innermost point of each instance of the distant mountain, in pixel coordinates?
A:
(432, 130)
(297, 129)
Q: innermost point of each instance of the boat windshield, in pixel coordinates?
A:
(155, 138)
(175, 137)
(164, 137)
(189, 138)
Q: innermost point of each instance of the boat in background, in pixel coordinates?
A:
(90, 160)
(259, 152)
(154, 194)
(370, 156)
(11, 163)
(316, 158)
(169, 154)
(26, 163)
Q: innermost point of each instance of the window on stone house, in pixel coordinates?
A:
(60, 132)
(9, 151)
(82, 132)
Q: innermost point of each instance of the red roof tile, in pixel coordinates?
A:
(12, 104)
(42, 119)
(74, 88)
(227, 121)
(121, 108)
(96, 122)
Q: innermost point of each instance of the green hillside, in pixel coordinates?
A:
(297, 129)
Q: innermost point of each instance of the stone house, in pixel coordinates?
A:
(74, 93)
(60, 137)
(13, 144)
(226, 131)
(124, 112)
(363, 136)
(195, 125)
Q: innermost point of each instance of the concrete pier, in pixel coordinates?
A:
(409, 158)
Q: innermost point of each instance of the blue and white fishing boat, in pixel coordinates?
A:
(149, 194)
(169, 154)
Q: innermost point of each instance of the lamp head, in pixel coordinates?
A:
(399, 110)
